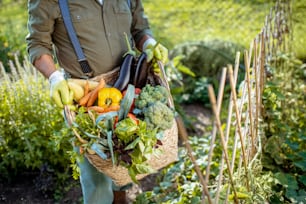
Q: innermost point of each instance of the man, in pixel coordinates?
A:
(100, 27)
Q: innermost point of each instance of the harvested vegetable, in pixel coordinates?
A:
(94, 93)
(127, 102)
(124, 123)
(126, 130)
(111, 108)
(86, 87)
(159, 116)
(83, 101)
(98, 109)
(125, 68)
(82, 82)
(137, 92)
(109, 97)
(141, 72)
(78, 90)
(151, 94)
(133, 117)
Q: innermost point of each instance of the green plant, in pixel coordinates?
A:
(29, 121)
(4, 50)
(284, 116)
(198, 64)
(12, 31)
(179, 183)
(207, 58)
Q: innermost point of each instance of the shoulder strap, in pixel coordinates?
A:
(63, 4)
(129, 3)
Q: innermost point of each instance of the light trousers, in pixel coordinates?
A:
(97, 188)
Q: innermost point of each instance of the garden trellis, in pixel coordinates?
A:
(245, 108)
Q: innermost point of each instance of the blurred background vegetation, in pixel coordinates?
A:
(176, 22)
(206, 33)
(237, 21)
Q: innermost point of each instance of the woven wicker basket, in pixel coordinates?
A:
(118, 173)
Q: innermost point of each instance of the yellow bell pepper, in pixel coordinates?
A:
(109, 97)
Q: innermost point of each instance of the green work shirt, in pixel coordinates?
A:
(100, 30)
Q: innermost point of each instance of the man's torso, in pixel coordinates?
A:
(100, 30)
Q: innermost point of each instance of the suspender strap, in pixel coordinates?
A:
(63, 4)
(129, 3)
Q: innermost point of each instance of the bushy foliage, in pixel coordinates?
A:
(207, 58)
(4, 50)
(28, 123)
(199, 64)
(12, 30)
(179, 183)
(8, 50)
(284, 115)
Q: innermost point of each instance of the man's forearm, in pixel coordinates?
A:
(142, 41)
(45, 65)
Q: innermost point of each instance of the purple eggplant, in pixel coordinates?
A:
(125, 68)
(141, 71)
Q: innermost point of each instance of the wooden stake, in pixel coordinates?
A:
(247, 67)
(183, 134)
(228, 125)
(218, 123)
(192, 158)
(214, 132)
(256, 88)
(233, 88)
(262, 69)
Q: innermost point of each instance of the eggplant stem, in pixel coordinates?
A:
(130, 50)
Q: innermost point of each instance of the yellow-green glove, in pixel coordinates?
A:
(59, 90)
(155, 52)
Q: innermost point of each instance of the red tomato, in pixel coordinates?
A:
(137, 92)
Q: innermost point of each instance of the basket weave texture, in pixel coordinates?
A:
(118, 173)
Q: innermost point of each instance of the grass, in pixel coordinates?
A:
(176, 22)
(206, 20)
(299, 28)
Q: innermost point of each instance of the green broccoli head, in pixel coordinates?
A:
(151, 94)
(158, 115)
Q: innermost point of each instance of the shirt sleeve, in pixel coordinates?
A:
(140, 24)
(40, 28)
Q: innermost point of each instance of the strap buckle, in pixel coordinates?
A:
(88, 73)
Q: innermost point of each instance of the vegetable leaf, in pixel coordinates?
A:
(98, 149)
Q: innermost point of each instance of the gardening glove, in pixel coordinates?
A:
(155, 52)
(59, 90)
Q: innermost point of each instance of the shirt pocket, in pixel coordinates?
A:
(123, 15)
(122, 7)
(80, 13)
(79, 16)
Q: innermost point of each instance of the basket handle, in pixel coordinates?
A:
(68, 115)
(164, 78)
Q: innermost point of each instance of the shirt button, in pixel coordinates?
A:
(78, 17)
